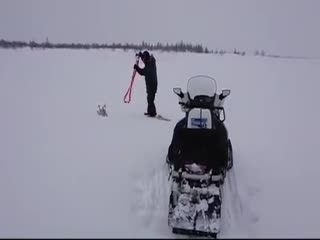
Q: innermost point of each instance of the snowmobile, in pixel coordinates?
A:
(199, 157)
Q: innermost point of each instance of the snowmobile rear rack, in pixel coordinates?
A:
(202, 177)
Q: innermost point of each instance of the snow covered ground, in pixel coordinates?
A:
(67, 172)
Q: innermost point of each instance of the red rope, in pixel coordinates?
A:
(128, 93)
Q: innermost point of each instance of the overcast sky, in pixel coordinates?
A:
(287, 27)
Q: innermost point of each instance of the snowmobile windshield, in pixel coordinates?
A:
(201, 85)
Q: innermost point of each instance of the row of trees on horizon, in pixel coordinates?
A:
(176, 47)
(173, 47)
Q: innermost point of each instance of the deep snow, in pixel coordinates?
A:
(67, 172)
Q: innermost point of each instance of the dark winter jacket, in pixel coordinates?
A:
(150, 74)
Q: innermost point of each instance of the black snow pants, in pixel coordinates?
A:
(151, 110)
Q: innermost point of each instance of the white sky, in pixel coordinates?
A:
(287, 27)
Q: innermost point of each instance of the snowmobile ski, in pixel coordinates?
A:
(160, 117)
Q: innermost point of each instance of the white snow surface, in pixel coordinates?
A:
(65, 171)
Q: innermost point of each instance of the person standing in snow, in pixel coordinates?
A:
(150, 73)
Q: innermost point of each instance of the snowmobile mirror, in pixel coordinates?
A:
(225, 93)
(178, 92)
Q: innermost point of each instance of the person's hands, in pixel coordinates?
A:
(139, 54)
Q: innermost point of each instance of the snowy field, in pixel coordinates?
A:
(67, 172)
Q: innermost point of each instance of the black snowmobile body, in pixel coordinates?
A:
(199, 156)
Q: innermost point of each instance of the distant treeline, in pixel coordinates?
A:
(177, 47)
